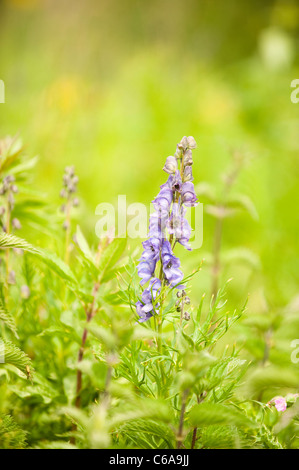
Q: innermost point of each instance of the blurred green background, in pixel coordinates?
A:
(111, 87)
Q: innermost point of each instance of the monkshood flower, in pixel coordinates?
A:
(178, 226)
(152, 248)
(145, 307)
(167, 226)
(171, 165)
(189, 197)
(146, 269)
(164, 199)
(187, 176)
(171, 264)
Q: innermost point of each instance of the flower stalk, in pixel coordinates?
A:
(167, 226)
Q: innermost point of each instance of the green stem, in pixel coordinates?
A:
(7, 253)
(68, 232)
(180, 436)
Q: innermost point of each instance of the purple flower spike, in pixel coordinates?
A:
(166, 225)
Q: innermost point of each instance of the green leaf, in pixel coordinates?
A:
(82, 244)
(103, 335)
(24, 166)
(110, 257)
(207, 414)
(271, 377)
(8, 319)
(50, 259)
(139, 427)
(11, 435)
(146, 408)
(11, 354)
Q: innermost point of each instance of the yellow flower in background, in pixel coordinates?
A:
(64, 94)
(24, 3)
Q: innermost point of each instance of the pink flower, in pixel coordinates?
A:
(280, 404)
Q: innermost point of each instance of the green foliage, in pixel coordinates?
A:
(79, 372)
(12, 355)
(11, 435)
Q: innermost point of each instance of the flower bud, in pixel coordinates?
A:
(187, 159)
(10, 179)
(12, 277)
(25, 292)
(191, 142)
(178, 152)
(76, 202)
(70, 170)
(187, 316)
(187, 176)
(16, 224)
(187, 300)
(170, 166)
(11, 200)
(183, 144)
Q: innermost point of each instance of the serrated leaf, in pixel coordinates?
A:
(207, 414)
(11, 354)
(11, 435)
(151, 428)
(8, 319)
(109, 258)
(50, 259)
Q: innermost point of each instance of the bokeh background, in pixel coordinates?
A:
(111, 86)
